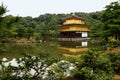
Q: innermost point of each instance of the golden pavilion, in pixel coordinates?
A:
(74, 28)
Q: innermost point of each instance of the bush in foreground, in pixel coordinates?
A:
(94, 65)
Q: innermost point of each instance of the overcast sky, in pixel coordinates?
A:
(35, 8)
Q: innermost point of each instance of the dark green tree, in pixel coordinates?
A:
(94, 66)
(21, 31)
(3, 10)
(115, 60)
(111, 19)
(8, 24)
(29, 32)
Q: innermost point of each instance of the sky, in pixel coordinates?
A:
(36, 8)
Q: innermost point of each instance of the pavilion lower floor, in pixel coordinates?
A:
(74, 34)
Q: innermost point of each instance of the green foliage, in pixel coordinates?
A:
(72, 58)
(91, 66)
(115, 60)
(106, 23)
(112, 42)
(110, 17)
(3, 10)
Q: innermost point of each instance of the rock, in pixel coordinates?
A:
(4, 59)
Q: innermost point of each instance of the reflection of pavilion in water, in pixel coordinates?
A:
(74, 47)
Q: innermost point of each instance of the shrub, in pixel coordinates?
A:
(114, 57)
(92, 64)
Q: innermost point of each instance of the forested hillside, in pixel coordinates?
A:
(41, 27)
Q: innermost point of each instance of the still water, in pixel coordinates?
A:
(53, 48)
(74, 47)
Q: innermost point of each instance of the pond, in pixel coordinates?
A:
(16, 50)
(73, 48)
(53, 48)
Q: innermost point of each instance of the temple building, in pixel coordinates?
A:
(74, 28)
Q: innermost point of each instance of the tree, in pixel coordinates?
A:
(7, 24)
(29, 32)
(3, 10)
(10, 25)
(115, 60)
(21, 31)
(94, 66)
(111, 19)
